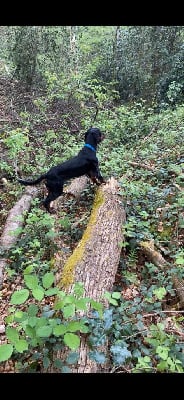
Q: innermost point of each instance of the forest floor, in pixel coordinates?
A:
(13, 101)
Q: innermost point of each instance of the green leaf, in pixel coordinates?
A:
(72, 341)
(21, 345)
(162, 365)
(119, 354)
(28, 270)
(6, 351)
(97, 356)
(9, 319)
(163, 352)
(79, 289)
(48, 280)
(72, 358)
(58, 363)
(107, 296)
(97, 306)
(70, 299)
(59, 330)
(69, 310)
(66, 370)
(12, 334)
(66, 301)
(20, 316)
(159, 293)
(83, 328)
(114, 302)
(73, 326)
(29, 331)
(116, 295)
(48, 314)
(46, 362)
(20, 296)
(58, 305)
(180, 260)
(32, 321)
(32, 310)
(10, 272)
(51, 292)
(41, 321)
(44, 331)
(31, 281)
(38, 293)
(81, 304)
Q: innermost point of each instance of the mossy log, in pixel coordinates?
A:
(95, 260)
(98, 251)
(14, 222)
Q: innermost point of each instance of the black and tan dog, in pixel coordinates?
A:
(85, 163)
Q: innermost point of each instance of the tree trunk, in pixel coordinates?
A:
(156, 258)
(95, 260)
(15, 219)
(153, 255)
(14, 222)
(76, 186)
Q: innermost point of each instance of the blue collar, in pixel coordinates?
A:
(90, 147)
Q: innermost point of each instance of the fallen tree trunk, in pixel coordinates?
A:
(144, 166)
(77, 186)
(153, 255)
(95, 260)
(15, 219)
(13, 224)
(156, 258)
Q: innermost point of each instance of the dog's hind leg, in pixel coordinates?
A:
(52, 195)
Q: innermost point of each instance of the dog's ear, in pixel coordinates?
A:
(96, 133)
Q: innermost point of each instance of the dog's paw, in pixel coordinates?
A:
(101, 181)
(52, 211)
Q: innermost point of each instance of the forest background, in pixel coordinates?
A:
(56, 82)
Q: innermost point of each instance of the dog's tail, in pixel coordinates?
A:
(33, 182)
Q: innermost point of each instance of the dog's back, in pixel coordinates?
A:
(81, 164)
(85, 163)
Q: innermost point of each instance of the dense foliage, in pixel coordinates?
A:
(129, 82)
(139, 61)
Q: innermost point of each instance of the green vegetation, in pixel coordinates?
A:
(127, 81)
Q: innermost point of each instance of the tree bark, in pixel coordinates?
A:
(153, 255)
(136, 164)
(77, 186)
(95, 260)
(156, 258)
(15, 221)
(179, 287)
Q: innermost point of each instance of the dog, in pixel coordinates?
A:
(85, 163)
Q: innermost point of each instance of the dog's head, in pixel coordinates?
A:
(96, 133)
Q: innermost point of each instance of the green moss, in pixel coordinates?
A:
(69, 268)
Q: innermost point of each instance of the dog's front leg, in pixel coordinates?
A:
(96, 177)
(99, 176)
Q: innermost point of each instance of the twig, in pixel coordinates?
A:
(135, 164)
